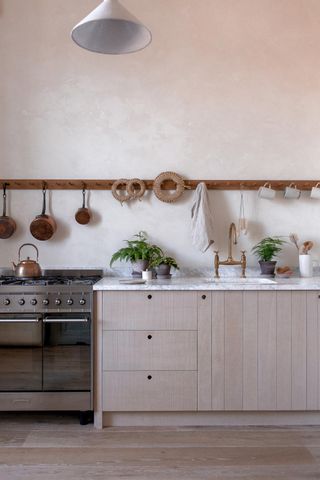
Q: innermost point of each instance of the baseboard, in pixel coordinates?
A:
(204, 419)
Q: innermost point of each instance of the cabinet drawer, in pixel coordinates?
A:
(149, 391)
(152, 350)
(150, 310)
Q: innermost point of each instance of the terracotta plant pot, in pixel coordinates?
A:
(267, 268)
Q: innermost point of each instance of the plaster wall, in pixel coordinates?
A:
(229, 89)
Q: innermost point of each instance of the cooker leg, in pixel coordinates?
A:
(86, 417)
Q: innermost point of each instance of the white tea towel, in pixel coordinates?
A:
(201, 219)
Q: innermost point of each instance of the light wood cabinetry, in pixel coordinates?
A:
(221, 351)
(265, 351)
(150, 351)
(150, 310)
(150, 391)
(204, 351)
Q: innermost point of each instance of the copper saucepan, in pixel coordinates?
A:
(7, 224)
(43, 226)
(83, 214)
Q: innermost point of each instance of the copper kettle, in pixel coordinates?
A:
(27, 268)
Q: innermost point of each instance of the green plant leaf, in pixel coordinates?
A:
(164, 260)
(137, 249)
(268, 248)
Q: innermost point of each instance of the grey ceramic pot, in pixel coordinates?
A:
(140, 266)
(163, 269)
(267, 268)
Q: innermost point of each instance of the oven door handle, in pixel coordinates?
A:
(20, 320)
(64, 320)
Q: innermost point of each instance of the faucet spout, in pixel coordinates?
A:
(230, 260)
(232, 240)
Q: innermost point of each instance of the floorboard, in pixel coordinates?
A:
(56, 447)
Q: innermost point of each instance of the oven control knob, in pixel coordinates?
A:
(82, 301)
(21, 301)
(45, 301)
(33, 301)
(6, 301)
(70, 301)
(58, 301)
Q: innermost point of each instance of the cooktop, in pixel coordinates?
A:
(55, 280)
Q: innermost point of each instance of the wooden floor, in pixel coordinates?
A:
(56, 447)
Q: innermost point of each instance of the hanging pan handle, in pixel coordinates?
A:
(4, 199)
(44, 203)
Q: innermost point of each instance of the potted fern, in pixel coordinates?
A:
(139, 252)
(266, 250)
(163, 264)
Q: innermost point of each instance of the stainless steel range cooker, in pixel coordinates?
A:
(46, 342)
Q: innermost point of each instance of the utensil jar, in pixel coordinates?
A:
(305, 266)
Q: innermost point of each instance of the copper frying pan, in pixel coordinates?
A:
(43, 226)
(83, 214)
(7, 224)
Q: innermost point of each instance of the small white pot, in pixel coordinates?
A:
(147, 275)
(305, 266)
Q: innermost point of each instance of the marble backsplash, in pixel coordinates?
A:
(225, 271)
(125, 271)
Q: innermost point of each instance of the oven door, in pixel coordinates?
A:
(20, 353)
(67, 353)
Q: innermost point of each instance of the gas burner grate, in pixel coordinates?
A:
(10, 281)
(59, 280)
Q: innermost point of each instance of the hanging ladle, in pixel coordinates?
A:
(83, 215)
(7, 224)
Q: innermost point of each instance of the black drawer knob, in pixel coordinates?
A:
(204, 297)
(149, 337)
(149, 377)
(149, 297)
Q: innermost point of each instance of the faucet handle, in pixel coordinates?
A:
(243, 263)
(216, 264)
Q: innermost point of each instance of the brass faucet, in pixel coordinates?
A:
(230, 260)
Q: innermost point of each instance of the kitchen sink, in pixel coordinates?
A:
(244, 281)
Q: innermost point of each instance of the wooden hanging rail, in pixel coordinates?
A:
(16, 184)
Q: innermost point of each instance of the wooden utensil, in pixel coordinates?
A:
(83, 215)
(7, 224)
(43, 226)
(243, 222)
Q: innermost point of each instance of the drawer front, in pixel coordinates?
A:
(150, 310)
(149, 391)
(152, 350)
(44, 401)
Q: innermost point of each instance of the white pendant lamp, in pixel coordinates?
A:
(110, 28)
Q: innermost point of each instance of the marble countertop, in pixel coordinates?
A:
(201, 283)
